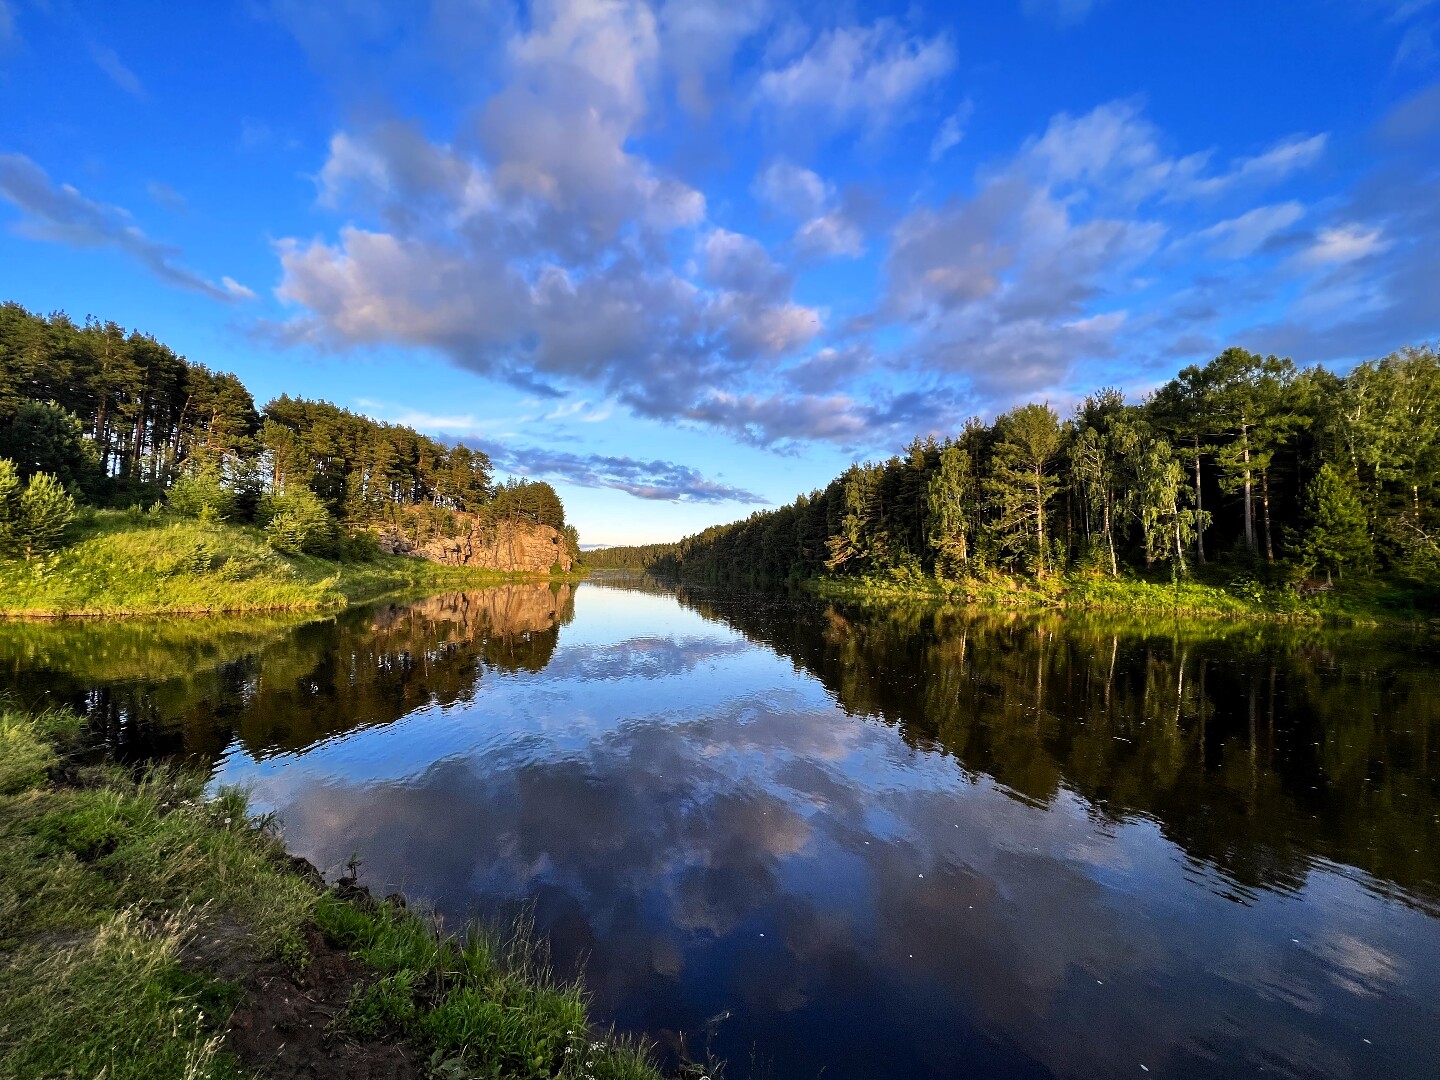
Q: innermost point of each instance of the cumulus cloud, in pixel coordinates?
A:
(658, 480)
(59, 213)
(526, 248)
(699, 39)
(830, 226)
(792, 189)
(858, 75)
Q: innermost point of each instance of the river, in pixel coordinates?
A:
(871, 841)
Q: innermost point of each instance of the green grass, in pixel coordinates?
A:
(106, 877)
(1220, 593)
(477, 1005)
(121, 563)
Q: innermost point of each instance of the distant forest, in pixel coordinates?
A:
(122, 420)
(1247, 459)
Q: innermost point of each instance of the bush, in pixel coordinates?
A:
(42, 437)
(201, 493)
(297, 522)
(32, 519)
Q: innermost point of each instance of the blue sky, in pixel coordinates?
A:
(688, 258)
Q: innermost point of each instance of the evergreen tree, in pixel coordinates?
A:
(1337, 535)
(950, 502)
(11, 539)
(1022, 481)
(202, 493)
(46, 508)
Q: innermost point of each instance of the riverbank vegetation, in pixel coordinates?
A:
(1249, 482)
(147, 931)
(111, 419)
(139, 563)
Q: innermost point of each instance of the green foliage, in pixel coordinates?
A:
(119, 418)
(42, 437)
(103, 884)
(1221, 458)
(32, 519)
(1022, 482)
(297, 522)
(482, 1005)
(1337, 536)
(528, 500)
(203, 494)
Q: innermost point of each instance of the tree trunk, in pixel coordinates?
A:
(1265, 508)
(1199, 521)
(1040, 523)
(1249, 483)
(1110, 539)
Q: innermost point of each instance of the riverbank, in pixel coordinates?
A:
(1363, 601)
(125, 564)
(147, 931)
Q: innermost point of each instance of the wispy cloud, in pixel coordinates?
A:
(108, 62)
(862, 75)
(657, 480)
(59, 213)
(951, 130)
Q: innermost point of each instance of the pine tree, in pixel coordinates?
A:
(1023, 481)
(45, 509)
(11, 545)
(950, 499)
(1337, 535)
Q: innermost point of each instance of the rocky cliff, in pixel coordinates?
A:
(513, 547)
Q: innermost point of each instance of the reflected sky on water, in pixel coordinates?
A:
(894, 841)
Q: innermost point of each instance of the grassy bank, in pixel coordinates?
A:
(119, 563)
(1235, 596)
(149, 932)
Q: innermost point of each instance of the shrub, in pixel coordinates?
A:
(32, 519)
(42, 437)
(297, 522)
(201, 493)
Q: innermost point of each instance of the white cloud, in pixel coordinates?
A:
(791, 189)
(858, 74)
(235, 289)
(1117, 154)
(1342, 244)
(951, 130)
(61, 214)
(830, 235)
(1239, 237)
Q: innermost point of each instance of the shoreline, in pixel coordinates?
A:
(155, 930)
(1191, 600)
(121, 566)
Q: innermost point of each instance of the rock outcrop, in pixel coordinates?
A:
(512, 547)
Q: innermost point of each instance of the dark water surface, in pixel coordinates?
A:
(883, 842)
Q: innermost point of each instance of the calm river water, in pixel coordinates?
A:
(888, 841)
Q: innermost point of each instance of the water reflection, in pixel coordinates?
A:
(885, 842)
